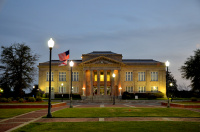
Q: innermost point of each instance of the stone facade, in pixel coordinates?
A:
(93, 75)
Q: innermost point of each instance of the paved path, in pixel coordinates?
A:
(35, 116)
(10, 124)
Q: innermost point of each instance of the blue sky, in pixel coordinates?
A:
(138, 29)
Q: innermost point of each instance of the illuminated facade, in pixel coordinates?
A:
(92, 76)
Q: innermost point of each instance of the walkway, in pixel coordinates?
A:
(36, 116)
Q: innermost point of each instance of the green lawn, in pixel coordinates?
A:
(125, 112)
(143, 126)
(7, 113)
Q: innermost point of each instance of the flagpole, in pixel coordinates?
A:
(69, 73)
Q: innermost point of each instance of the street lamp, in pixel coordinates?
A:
(113, 89)
(167, 87)
(50, 44)
(71, 65)
(62, 91)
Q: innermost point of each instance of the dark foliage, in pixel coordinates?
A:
(19, 68)
(191, 70)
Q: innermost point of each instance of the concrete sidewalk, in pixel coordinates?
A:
(36, 116)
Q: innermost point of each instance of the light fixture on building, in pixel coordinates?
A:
(83, 91)
(120, 89)
(62, 91)
(113, 75)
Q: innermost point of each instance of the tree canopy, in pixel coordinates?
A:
(191, 70)
(172, 85)
(19, 70)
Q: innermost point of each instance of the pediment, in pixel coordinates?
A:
(102, 60)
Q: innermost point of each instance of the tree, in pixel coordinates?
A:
(172, 85)
(19, 62)
(191, 70)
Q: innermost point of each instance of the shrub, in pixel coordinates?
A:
(9, 100)
(31, 99)
(193, 99)
(3, 100)
(18, 98)
(76, 96)
(151, 96)
(21, 100)
(126, 95)
(12, 98)
(159, 95)
(39, 99)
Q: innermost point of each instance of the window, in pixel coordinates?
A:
(154, 76)
(108, 76)
(62, 89)
(48, 76)
(62, 76)
(75, 76)
(129, 89)
(129, 76)
(141, 89)
(47, 89)
(75, 89)
(141, 76)
(102, 77)
(154, 89)
(95, 76)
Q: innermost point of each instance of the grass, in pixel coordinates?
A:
(7, 113)
(124, 112)
(153, 126)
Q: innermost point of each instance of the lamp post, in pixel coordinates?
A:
(167, 85)
(71, 65)
(113, 89)
(50, 44)
(62, 91)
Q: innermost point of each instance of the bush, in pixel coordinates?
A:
(9, 100)
(12, 98)
(18, 98)
(193, 99)
(126, 95)
(39, 99)
(21, 100)
(151, 96)
(76, 96)
(3, 100)
(159, 95)
(31, 99)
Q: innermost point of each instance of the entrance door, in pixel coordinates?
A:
(101, 90)
(108, 91)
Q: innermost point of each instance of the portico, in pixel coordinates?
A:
(99, 81)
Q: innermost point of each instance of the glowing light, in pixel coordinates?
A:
(167, 63)
(71, 63)
(51, 43)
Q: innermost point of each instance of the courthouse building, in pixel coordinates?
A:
(93, 75)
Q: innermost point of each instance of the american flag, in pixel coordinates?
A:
(64, 56)
(63, 63)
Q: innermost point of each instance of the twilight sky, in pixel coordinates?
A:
(138, 29)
